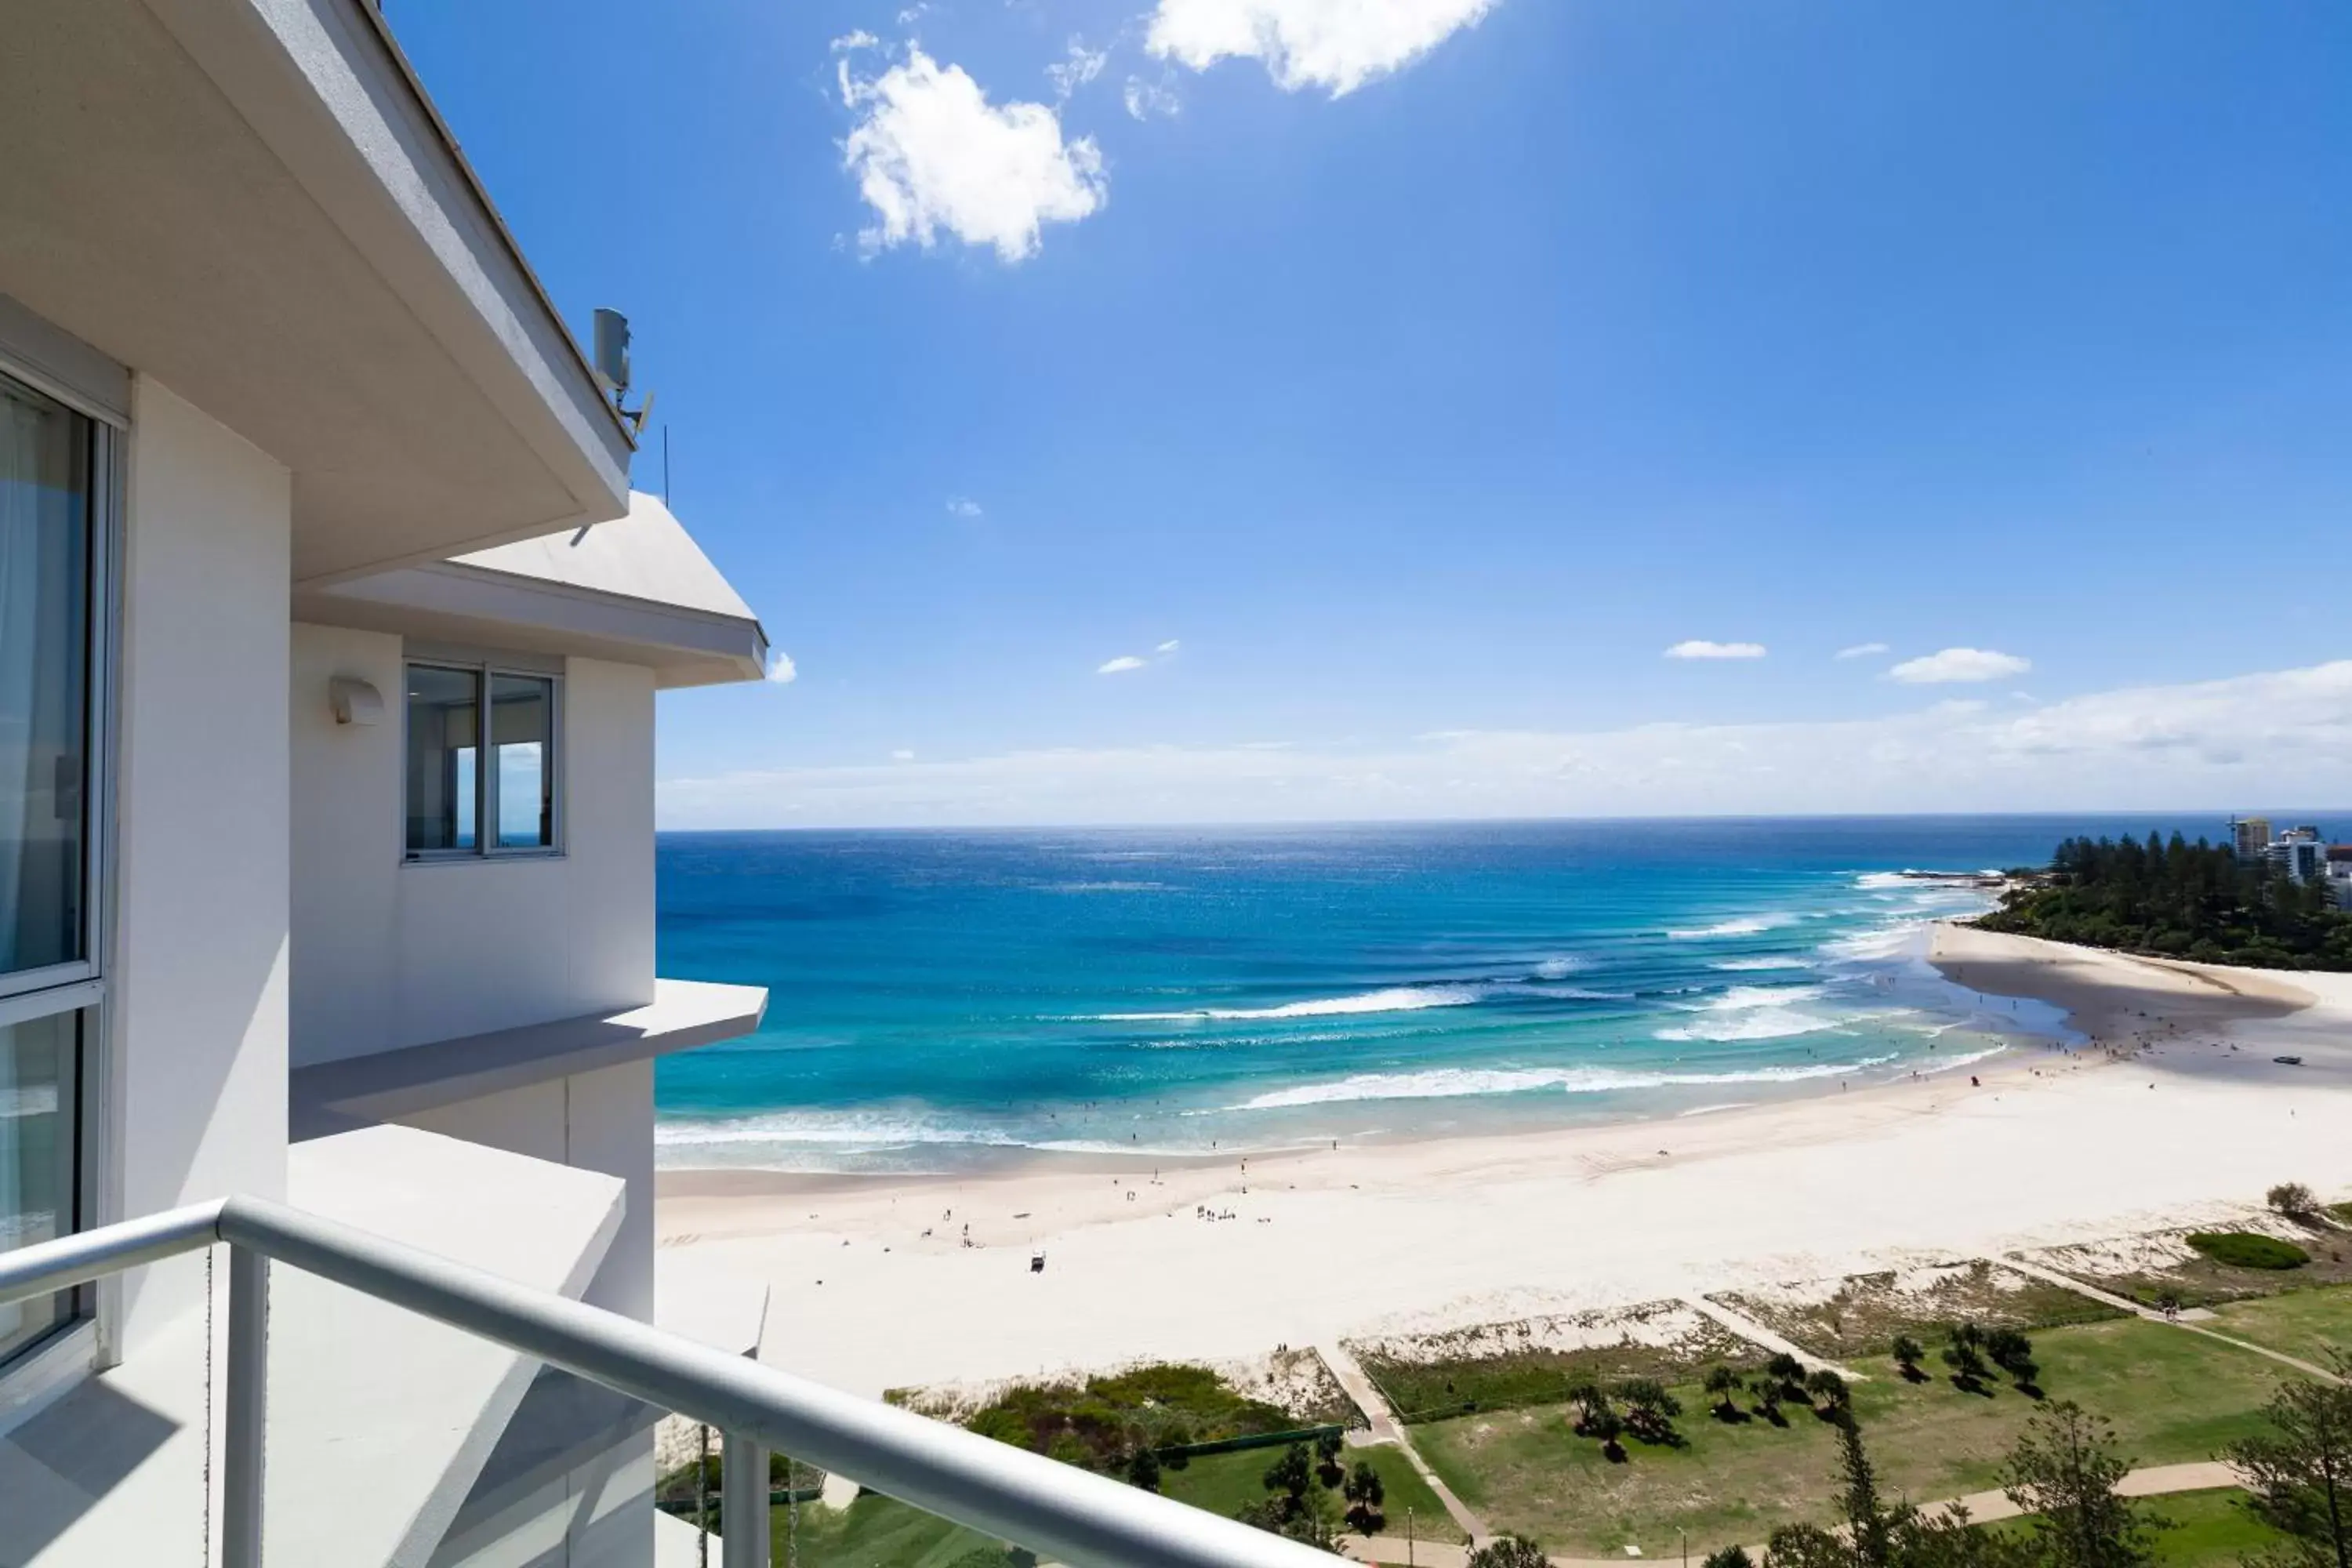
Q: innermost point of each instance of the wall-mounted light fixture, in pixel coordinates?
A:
(354, 701)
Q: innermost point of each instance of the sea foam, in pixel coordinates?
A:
(1746, 925)
(1389, 999)
(1452, 1083)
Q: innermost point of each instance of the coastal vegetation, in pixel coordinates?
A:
(2171, 1397)
(1106, 1423)
(2177, 900)
(2246, 1249)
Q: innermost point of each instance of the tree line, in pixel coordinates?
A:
(2178, 900)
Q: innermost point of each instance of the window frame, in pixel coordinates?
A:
(485, 669)
(83, 1340)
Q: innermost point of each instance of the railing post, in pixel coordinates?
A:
(743, 1503)
(246, 1407)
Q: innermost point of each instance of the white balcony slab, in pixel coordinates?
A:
(334, 1097)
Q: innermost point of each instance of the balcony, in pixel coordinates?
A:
(1063, 1514)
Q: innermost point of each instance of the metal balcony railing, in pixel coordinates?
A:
(1062, 1513)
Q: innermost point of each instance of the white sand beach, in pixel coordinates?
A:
(2175, 1109)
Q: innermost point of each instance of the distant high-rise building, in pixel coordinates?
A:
(2251, 836)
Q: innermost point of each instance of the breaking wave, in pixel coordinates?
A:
(1452, 1083)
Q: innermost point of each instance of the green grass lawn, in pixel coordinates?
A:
(1223, 1483)
(2299, 1322)
(2171, 1396)
(877, 1532)
(2209, 1530)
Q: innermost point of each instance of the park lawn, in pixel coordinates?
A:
(877, 1532)
(2209, 1530)
(2171, 1396)
(2301, 1323)
(1225, 1483)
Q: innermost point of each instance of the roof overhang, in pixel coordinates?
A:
(636, 590)
(253, 202)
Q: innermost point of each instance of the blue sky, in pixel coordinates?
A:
(1424, 369)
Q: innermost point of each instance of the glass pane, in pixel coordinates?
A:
(444, 709)
(37, 1159)
(45, 549)
(522, 732)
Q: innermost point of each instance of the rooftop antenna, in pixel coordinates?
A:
(610, 362)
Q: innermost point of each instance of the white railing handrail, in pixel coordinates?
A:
(1058, 1511)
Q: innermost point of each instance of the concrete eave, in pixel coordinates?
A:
(327, 1097)
(636, 590)
(253, 202)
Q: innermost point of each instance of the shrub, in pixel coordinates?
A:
(2244, 1250)
(2292, 1199)
(1729, 1557)
(1508, 1551)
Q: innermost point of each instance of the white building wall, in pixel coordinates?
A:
(198, 985)
(388, 953)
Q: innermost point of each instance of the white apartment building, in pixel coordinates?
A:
(330, 635)
(330, 639)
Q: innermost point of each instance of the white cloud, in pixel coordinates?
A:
(1145, 98)
(1956, 664)
(1074, 69)
(1120, 664)
(1862, 650)
(1171, 646)
(964, 506)
(860, 39)
(902, 756)
(1335, 44)
(1699, 648)
(781, 670)
(2286, 735)
(931, 154)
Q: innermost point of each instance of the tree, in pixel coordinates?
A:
(2013, 1354)
(1366, 1494)
(1729, 1557)
(1909, 1353)
(2064, 1472)
(1870, 1523)
(1292, 1474)
(1964, 1354)
(2292, 1199)
(2300, 1471)
(1650, 1410)
(1509, 1550)
(1873, 1534)
(1143, 1469)
(1590, 1405)
(1829, 1395)
(1768, 1391)
(1327, 1468)
(1609, 1427)
(1787, 1371)
(1724, 1384)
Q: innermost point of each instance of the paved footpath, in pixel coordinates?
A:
(1387, 1428)
(2155, 1480)
(2191, 1319)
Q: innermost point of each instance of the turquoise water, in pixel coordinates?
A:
(948, 1000)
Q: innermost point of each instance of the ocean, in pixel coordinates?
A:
(960, 1001)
